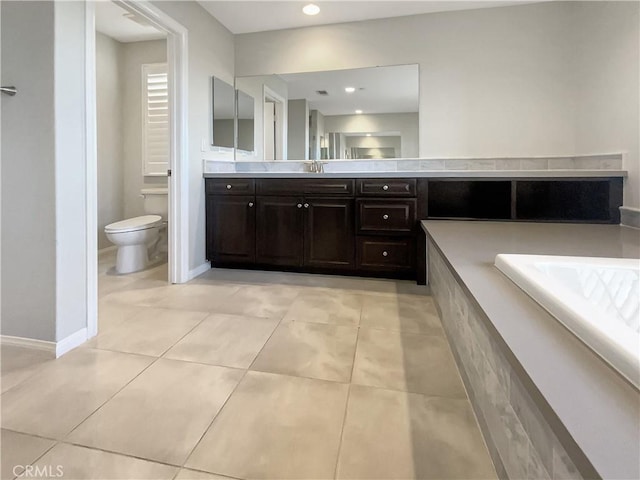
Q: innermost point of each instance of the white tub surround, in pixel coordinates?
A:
(595, 298)
(608, 165)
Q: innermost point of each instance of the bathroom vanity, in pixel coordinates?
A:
(367, 223)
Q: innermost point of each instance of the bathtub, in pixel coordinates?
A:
(595, 298)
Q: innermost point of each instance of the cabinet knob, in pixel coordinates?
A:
(299, 205)
(385, 253)
(306, 205)
(385, 187)
(385, 217)
(228, 187)
(250, 204)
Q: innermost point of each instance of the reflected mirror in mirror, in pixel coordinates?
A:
(223, 121)
(363, 113)
(245, 122)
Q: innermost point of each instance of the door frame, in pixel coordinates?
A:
(178, 182)
(269, 95)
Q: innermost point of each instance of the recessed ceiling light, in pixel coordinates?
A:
(349, 89)
(311, 9)
(358, 112)
(368, 134)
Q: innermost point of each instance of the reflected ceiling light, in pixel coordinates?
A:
(350, 89)
(311, 9)
(358, 112)
(368, 134)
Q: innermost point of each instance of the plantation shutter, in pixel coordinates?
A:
(155, 113)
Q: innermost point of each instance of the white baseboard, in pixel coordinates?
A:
(196, 272)
(72, 341)
(33, 343)
(56, 349)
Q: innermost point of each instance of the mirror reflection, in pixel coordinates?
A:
(365, 113)
(223, 101)
(245, 122)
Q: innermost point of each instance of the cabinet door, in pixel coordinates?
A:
(329, 238)
(231, 229)
(279, 230)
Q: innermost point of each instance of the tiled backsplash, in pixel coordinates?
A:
(587, 162)
(519, 438)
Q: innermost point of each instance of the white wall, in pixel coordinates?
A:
(211, 52)
(109, 91)
(606, 71)
(28, 171)
(134, 55)
(404, 123)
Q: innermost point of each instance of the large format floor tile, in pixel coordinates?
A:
(162, 414)
(19, 363)
(405, 313)
(390, 434)
(275, 426)
(271, 301)
(61, 395)
(407, 362)
(228, 340)
(151, 332)
(186, 474)
(80, 463)
(20, 450)
(111, 314)
(205, 298)
(145, 293)
(310, 350)
(324, 306)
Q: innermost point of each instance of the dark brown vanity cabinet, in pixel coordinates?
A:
(386, 224)
(230, 222)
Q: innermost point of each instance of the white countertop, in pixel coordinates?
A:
(599, 409)
(506, 174)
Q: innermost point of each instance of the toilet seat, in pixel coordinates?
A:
(134, 224)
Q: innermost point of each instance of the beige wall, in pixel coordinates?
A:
(554, 78)
(109, 91)
(606, 70)
(134, 55)
(210, 53)
(404, 123)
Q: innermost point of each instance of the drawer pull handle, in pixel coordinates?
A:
(228, 187)
(250, 204)
(306, 205)
(385, 253)
(385, 217)
(299, 205)
(385, 187)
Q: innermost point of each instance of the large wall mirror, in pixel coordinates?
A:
(223, 113)
(366, 113)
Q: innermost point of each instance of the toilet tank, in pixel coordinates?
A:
(156, 201)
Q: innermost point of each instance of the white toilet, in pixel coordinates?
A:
(134, 237)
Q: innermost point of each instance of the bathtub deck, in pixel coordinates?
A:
(598, 408)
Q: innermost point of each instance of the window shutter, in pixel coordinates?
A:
(155, 113)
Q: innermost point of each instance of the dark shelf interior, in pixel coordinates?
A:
(469, 199)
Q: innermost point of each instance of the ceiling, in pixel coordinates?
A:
(378, 90)
(111, 21)
(241, 16)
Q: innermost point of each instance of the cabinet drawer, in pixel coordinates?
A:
(386, 216)
(394, 187)
(388, 254)
(229, 186)
(306, 186)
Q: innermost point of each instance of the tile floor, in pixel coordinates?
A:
(248, 375)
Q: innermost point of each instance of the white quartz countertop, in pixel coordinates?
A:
(599, 409)
(507, 174)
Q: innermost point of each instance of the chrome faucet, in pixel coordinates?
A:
(316, 166)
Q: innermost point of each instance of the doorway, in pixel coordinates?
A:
(176, 176)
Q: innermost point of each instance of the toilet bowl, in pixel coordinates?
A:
(134, 237)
